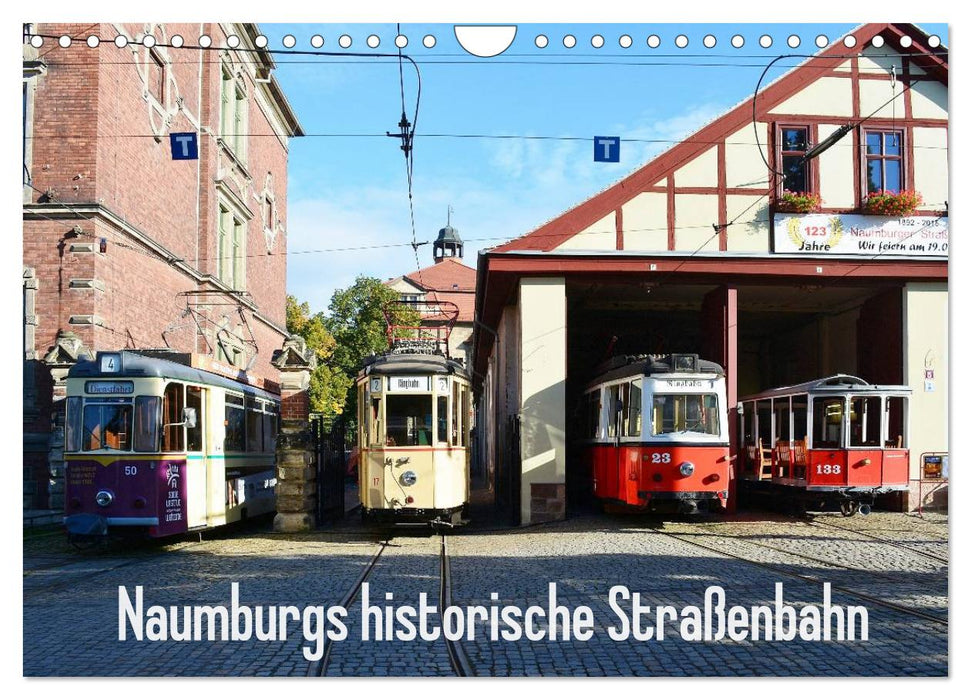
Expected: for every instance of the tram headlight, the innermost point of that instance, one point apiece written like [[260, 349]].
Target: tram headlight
[[104, 498], [686, 469], [409, 478]]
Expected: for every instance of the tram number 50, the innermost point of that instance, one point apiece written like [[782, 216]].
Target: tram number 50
[[131, 471], [661, 458], [829, 468]]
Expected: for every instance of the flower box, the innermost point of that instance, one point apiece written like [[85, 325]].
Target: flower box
[[798, 202], [892, 203]]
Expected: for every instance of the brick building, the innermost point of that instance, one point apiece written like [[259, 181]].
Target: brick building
[[124, 247], [448, 280]]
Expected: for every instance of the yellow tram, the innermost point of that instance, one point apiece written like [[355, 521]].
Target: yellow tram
[[414, 415]]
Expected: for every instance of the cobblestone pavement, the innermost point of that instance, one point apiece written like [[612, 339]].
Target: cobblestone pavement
[[71, 599]]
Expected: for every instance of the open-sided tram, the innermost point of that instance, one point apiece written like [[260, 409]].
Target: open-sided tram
[[833, 442]]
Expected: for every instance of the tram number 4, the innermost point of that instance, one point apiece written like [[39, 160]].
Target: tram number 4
[[829, 468], [661, 458], [131, 471]]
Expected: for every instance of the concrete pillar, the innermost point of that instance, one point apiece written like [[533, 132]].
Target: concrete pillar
[[68, 350], [719, 312], [296, 477], [542, 324], [927, 372]]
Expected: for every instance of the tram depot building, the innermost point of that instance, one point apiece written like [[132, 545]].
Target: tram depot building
[[125, 247], [699, 252]]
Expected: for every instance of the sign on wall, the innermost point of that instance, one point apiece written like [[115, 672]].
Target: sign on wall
[[856, 234], [185, 146]]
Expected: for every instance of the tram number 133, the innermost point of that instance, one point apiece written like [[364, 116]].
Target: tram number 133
[[829, 468]]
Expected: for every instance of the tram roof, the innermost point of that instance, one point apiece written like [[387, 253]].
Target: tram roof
[[412, 363], [635, 365], [134, 364], [837, 383]]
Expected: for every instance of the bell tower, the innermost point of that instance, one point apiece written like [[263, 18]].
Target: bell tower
[[449, 243]]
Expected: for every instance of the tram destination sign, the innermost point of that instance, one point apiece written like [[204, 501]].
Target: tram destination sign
[[405, 384], [859, 235]]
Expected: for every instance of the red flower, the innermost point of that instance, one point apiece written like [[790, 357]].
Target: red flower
[[882, 203]]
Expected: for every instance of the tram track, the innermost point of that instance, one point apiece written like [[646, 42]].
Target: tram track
[[876, 538], [459, 661], [913, 612]]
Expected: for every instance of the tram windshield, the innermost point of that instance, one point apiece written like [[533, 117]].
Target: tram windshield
[[409, 419], [828, 421], [106, 426], [685, 413]]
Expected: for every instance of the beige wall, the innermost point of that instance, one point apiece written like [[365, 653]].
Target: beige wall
[[694, 216], [744, 166], [601, 236], [826, 96], [925, 348], [646, 222], [542, 305], [836, 170], [930, 165]]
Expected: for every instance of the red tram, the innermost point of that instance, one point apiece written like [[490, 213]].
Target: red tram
[[676, 460], [833, 442]]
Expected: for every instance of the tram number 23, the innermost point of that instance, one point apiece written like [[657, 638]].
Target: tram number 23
[[661, 458], [829, 468]]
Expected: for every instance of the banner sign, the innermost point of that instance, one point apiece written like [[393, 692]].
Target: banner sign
[[856, 234]]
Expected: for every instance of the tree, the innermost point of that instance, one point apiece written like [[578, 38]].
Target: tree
[[357, 323], [327, 391]]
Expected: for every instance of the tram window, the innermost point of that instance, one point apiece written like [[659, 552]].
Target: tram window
[[763, 410], [780, 407], [632, 409], [592, 416], [374, 422], [828, 422], [409, 420], [254, 425], [748, 420], [800, 417], [173, 432], [679, 413], [613, 400], [269, 427], [865, 421], [146, 423], [72, 424], [107, 426], [466, 419], [456, 415], [442, 419], [193, 399], [896, 421], [235, 424]]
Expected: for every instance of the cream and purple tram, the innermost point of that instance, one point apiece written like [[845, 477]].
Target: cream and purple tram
[[155, 447], [833, 442], [414, 412]]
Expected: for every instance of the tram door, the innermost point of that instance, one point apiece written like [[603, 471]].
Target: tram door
[[197, 461]]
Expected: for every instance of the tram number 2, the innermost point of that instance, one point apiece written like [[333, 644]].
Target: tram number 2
[[829, 468], [661, 458], [131, 470]]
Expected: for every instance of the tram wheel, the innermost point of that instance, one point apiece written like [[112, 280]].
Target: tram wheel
[[849, 508]]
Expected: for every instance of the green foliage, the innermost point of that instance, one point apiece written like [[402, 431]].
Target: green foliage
[[312, 328], [356, 321], [354, 329]]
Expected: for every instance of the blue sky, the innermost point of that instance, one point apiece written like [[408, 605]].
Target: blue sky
[[351, 191]]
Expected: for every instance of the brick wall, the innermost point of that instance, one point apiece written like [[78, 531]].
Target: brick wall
[[101, 148]]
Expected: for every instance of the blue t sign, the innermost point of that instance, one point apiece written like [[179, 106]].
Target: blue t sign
[[606, 149], [185, 146]]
